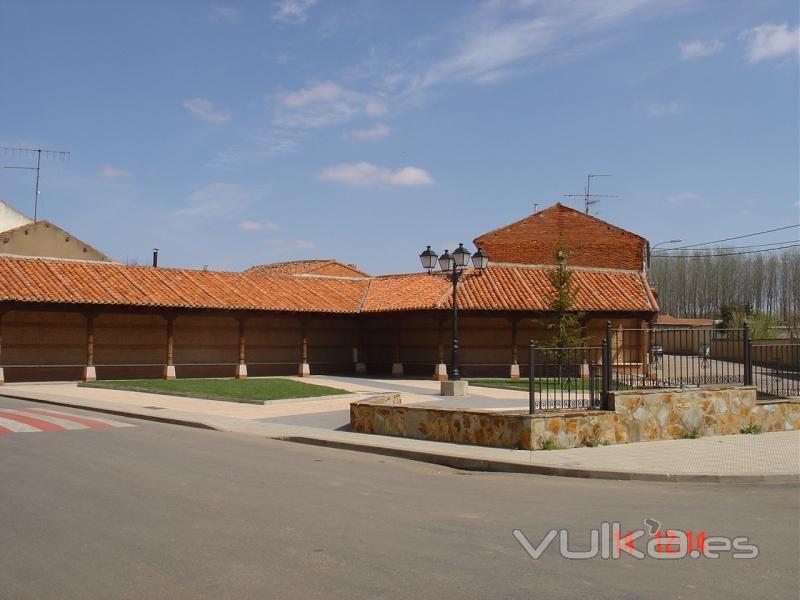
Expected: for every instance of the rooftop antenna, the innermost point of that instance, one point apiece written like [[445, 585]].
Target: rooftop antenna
[[588, 198], [59, 154]]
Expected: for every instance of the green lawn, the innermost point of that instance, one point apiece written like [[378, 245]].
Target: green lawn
[[235, 390], [541, 384]]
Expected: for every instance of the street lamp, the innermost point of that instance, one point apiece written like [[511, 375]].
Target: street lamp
[[651, 248], [454, 265]]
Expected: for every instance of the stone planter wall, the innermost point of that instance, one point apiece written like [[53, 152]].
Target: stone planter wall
[[640, 415]]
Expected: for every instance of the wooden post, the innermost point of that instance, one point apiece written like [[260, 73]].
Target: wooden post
[[360, 355], [304, 370], [89, 372], [397, 365], [2, 377], [241, 367], [440, 370], [514, 356], [169, 369]]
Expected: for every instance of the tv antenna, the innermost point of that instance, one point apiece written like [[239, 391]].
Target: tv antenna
[[59, 154], [588, 198]]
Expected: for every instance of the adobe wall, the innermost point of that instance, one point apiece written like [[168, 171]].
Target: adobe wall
[[134, 345], [45, 239]]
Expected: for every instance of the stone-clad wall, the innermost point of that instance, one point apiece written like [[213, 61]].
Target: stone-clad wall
[[641, 415]]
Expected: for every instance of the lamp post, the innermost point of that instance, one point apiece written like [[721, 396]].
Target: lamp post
[[454, 266], [651, 248]]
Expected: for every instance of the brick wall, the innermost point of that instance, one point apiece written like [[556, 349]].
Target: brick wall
[[589, 242]]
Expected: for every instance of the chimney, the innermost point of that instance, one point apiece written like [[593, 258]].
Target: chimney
[[155, 258]]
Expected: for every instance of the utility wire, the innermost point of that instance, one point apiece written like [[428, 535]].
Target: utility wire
[[738, 237], [724, 253], [726, 248]]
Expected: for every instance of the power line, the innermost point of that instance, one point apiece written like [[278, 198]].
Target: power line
[[738, 237], [665, 250], [724, 253]]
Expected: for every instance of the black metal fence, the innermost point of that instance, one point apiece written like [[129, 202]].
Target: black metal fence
[[565, 378], [574, 378]]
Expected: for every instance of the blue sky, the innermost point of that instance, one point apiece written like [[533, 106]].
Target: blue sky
[[233, 134]]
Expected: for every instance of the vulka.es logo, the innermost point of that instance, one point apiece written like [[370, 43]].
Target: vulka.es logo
[[609, 542]]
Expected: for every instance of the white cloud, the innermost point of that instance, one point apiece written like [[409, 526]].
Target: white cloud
[[377, 132], [660, 109], [205, 110], [257, 226], [365, 174], [220, 199], [324, 104], [259, 148], [112, 172], [224, 13], [699, 49], [685, 197], [289, 244], [771, 41], [503, 38], [292, 11]]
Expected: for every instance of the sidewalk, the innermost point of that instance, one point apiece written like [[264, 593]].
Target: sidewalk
[[769, 457]]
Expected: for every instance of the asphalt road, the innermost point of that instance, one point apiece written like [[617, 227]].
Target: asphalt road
[[162, 511]]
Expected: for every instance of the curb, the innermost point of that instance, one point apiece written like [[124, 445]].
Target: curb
[[475, 464]]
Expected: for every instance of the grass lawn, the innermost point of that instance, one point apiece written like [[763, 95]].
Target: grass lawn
[[235, 390], [541, 384]]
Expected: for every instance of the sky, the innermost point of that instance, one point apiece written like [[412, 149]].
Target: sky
[[232, 134]]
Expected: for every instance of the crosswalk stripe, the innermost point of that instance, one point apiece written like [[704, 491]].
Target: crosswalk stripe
[[40, 424], [93, 422], [12, 426], [59, 420]]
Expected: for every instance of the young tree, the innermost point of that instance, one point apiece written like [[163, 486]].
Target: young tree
[[566, 320]]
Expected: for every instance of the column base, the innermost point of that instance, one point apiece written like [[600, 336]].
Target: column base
[[440, 372], [241, 371], [361, 368], [89, 374], [397, 369], [454, 388], [304, 370], [2, 378], [169, 372], [514, 372]]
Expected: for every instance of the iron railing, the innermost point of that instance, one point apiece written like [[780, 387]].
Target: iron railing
[[584, 377]]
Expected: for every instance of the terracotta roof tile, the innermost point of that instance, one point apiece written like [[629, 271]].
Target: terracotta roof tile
[[497, 288], [308, 267]]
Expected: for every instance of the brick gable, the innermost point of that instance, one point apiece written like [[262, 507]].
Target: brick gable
[[589, 241]]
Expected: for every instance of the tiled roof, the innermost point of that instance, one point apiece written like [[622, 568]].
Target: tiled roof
[[588, 241], [308, 267], [78, 282], [511, 288], [498, 288]]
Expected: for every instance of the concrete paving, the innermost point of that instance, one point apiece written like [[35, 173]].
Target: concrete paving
[[157, 511], [773, 457]]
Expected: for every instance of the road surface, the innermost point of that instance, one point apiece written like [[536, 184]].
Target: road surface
[[162, 511]]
